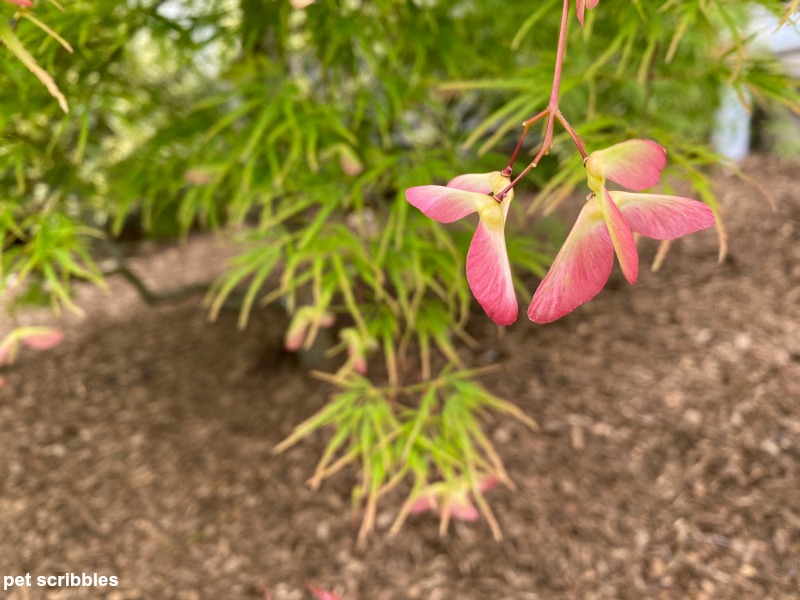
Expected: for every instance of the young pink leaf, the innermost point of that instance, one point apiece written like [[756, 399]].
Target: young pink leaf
[[359, 363], [579, 271], [321, 594], [488, 270], [41, 338], [621, 236], [474, 182], [23, 3], [634, 164], [663, 217], [462, 508], [444, 204], [488, 483], [356, 349], [296, 333], [326, 320], [424, 502]]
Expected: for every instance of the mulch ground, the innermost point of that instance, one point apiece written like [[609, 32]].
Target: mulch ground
[[668, 464]]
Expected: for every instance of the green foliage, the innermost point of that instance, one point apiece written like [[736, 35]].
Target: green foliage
[[299, 130], [438, 437]]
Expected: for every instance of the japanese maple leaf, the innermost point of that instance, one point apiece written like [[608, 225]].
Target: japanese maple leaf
[[606, 224], [488, 269], [582, 5]]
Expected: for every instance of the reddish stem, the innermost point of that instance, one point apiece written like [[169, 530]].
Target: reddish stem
[[510, 167], [552, 112], [526, 125], [573, 134], [553, 104]]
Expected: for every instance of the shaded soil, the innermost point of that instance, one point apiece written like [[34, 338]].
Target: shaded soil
[[667, 465]]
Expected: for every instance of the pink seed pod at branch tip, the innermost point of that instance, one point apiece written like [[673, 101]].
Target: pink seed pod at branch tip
[[462, 508], [36, 338], [424, 502], [295, 335], [488, 270], [606, 225]]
